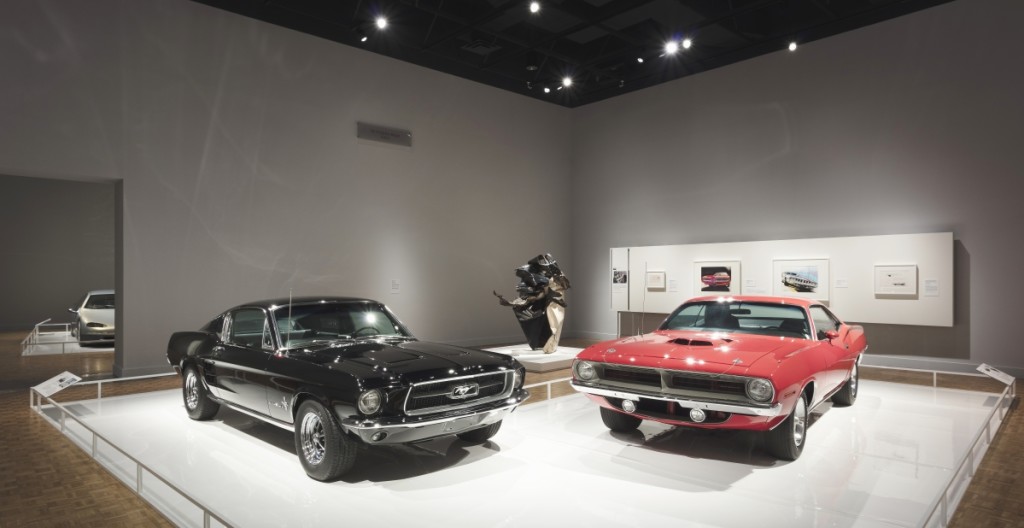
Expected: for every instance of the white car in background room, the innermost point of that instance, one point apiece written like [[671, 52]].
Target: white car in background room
[[94, 317]]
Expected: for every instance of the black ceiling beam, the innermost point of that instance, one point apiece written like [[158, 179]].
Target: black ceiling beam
[[464, 26]]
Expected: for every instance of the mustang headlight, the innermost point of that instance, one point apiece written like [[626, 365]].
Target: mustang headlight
[[584, 370], [370, 401], [760, 390]]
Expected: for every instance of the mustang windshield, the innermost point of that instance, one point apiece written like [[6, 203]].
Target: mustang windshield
[[739, 316], [318, 322]]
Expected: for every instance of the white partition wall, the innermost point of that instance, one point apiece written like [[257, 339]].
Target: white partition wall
[[848, 278]]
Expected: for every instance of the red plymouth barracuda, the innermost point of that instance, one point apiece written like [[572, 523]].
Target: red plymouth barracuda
[[742, 362], [720, 278]]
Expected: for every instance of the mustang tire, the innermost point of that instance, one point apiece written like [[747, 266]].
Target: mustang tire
[[787, 440], [197, 398], [619, 422], [481, 435], [324, 450], [848, 394]]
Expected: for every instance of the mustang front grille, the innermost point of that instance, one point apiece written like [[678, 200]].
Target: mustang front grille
[[457, 393]]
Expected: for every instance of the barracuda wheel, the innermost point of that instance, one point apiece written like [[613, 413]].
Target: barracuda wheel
[[481, 435], [786, 441], [324, 450], [197, 398], [619, 422], [848, 394]]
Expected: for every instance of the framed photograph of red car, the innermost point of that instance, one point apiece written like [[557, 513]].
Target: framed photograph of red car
[[717, 277], [744, 362]]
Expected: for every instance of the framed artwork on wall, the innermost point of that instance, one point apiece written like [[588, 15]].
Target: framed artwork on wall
[[807, 279], [896, 280], [655, 280], [711, 277]]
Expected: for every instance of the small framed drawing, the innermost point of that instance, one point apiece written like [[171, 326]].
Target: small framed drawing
[[620, 280], [656, 280], [896, 280], [807, 279], [717, 277]]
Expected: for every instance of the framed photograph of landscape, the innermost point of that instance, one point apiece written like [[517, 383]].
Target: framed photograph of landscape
[[720, 276], [807, 279]]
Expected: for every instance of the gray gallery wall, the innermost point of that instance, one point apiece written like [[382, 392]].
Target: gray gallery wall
[[242, 177], [912, 125], [57, 242]]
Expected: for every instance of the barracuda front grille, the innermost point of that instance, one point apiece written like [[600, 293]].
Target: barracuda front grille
[[457, 393], [640, 377], [709, 385]]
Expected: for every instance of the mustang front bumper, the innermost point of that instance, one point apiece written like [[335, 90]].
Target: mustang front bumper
[[403, 430], [733, 408]]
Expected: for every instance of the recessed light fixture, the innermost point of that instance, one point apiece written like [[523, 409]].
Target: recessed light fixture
[[381, 22], [792, 46], [687, 43], [640, 60], [671, 47], [566, 81], [534, 7], [547, 89]]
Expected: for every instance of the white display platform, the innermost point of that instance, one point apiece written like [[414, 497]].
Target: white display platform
[[537, 360], [881, 463], [63, 343]]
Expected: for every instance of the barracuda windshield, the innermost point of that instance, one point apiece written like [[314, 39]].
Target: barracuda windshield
[[304, 324], [740, 316]]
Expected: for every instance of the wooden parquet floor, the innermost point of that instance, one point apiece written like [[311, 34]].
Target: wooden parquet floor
[[46, 481]]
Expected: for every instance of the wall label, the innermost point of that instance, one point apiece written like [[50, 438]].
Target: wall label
[[383, 134]]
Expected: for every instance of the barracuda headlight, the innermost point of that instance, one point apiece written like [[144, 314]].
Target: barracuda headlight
[[370, 401], [584, 371], [760, 390]]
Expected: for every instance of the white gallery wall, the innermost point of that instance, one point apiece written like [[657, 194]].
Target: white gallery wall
[[242, 177], [56, 243], [908, 126]]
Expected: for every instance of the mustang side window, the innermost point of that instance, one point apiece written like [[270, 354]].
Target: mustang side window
[[247, 328]]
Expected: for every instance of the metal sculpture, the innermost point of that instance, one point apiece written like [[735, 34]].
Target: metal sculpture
[[540, 306]]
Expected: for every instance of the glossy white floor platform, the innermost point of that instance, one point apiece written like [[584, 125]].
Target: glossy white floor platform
[[882, 463], [537, 360]]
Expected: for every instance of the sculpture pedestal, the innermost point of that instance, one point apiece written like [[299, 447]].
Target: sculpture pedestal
[[537, 360]]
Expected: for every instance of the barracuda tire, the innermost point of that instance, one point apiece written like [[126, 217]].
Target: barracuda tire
[[786, 441], [619, 422], [848, 394], [324, 450], [198, 404], [481, 435]]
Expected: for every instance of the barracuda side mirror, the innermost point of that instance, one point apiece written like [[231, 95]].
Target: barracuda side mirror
[[831, 334]]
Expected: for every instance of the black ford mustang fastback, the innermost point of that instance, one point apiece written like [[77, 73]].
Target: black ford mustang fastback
[[339, 371]]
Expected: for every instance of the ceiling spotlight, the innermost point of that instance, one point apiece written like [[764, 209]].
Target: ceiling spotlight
[[381, 22], [640, 60], [547, 89], [529, 85], [671, 47], [534, 7], [621, 83], [363, 38], [687, 43], [792, 46], [566, 81], [532, 61]]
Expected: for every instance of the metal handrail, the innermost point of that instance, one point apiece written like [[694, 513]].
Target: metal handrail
[[35, 402], [32, 339], [941, 505], [548, 383]]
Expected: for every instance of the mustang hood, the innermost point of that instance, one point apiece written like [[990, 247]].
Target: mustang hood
[[413, 360], [699, 351]]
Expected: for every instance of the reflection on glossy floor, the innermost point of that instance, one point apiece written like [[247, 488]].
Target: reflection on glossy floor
[[882, 462]]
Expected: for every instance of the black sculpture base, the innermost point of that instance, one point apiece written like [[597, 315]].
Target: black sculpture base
[[537, 332]]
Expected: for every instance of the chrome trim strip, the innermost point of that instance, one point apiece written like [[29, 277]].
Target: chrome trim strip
[[774, 410], [505, 393], [258, 416]]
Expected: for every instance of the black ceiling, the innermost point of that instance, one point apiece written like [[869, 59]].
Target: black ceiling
[[595, 42]]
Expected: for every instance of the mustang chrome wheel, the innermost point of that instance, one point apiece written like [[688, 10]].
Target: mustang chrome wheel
[[312, 434], [191, 390], [799, 422]]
